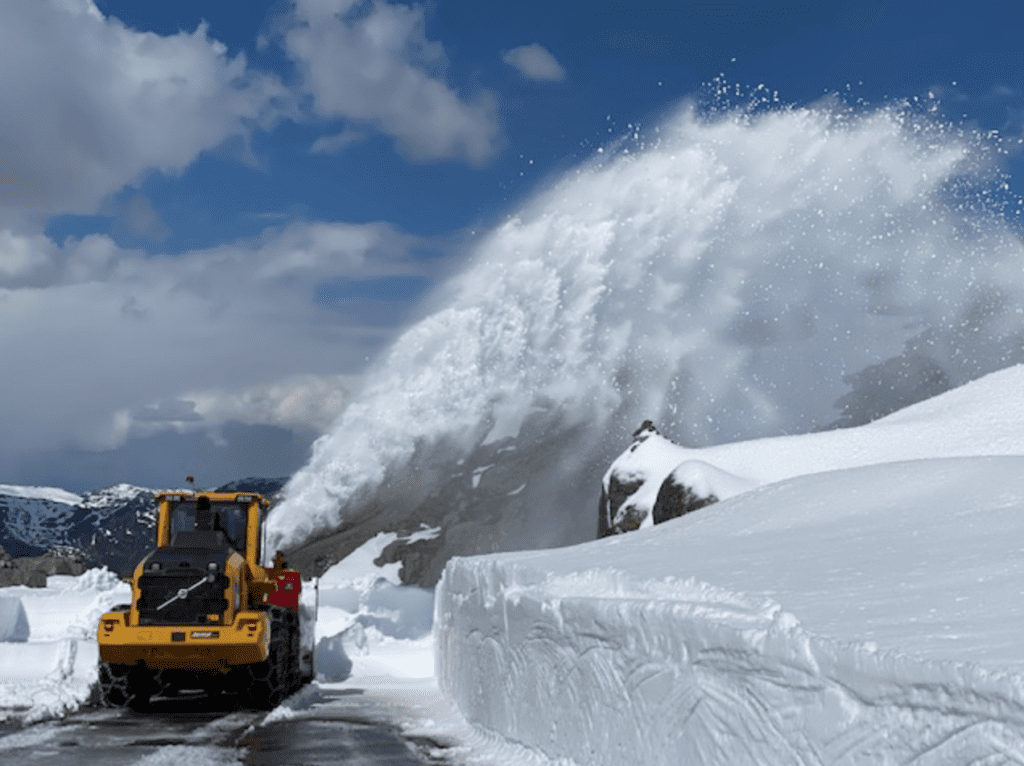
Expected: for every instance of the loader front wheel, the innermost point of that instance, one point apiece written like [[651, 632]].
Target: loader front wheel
[[125, 686], [266, 683]]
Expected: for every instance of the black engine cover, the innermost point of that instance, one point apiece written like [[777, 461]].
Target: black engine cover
[[179, 588]]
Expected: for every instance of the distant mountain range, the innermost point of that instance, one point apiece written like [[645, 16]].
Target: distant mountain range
[[111, 526]]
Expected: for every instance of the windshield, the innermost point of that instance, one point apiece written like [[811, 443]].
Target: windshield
[[230, 518]]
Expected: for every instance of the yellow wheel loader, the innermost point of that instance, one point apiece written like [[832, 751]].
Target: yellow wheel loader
[[205, 614]]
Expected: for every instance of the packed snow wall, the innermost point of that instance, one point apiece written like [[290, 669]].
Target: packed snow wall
[[700, 676], [865, 616], [728, 274]]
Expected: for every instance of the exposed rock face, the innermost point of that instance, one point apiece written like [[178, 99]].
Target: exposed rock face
[[658, 479], [615, 516], [881, 389], [675, 499], [53, 563], [33, 570], [500, 495], [27, 577], [615, 513]]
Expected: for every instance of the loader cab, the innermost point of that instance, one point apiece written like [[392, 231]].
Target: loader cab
[[188, 519]]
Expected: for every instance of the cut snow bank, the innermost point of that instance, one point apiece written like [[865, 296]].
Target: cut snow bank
[[368, 624], [870, 615], [52, 668], [13, 621]]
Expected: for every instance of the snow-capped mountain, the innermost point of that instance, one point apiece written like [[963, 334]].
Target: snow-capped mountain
[[111, 526]]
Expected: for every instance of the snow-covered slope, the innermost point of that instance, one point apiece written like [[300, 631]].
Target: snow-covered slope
[[984, 417], [871, 615], [859, 599], [102, 524]]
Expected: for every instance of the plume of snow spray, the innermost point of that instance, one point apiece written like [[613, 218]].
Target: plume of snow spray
[[732, 275]]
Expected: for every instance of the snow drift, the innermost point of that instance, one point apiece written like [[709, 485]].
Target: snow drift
[[49, 655], [729, 276], [983, 417], [870, 615]]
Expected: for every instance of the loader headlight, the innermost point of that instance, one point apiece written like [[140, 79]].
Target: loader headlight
[[154, 566], [212, 566]]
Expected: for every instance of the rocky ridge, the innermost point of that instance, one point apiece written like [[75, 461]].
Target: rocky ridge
[[512, 493], [47, 530]]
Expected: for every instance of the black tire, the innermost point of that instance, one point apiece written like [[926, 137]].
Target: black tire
[[267, 683], [125, 686], [294, 651]]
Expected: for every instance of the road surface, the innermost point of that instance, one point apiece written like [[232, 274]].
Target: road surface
[[331, 727]]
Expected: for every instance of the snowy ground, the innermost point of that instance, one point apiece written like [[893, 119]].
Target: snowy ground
[[48, 656], [867, 612], [870, 614]]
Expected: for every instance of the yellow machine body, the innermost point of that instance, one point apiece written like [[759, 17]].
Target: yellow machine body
[[235, 635]]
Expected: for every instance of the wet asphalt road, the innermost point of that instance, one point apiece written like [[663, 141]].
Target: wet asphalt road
[[324, 732]]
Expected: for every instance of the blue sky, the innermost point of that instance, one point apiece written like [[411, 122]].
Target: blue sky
[[215, 214]]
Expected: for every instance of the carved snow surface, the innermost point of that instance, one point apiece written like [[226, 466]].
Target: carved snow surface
[[862, 616]]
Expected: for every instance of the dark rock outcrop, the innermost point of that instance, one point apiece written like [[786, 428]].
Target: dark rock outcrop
[[507, 495], [686, 488], [33, 570], [28, 577], [615, 514], [676, 499], [613, 518]]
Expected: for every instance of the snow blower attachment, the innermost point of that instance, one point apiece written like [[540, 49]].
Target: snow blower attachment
[[204, 613]]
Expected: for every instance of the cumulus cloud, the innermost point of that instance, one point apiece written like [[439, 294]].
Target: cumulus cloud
[[371, 64], [337, 142], [91, 105], [298, 401], [136, 218], [534, 62], [102, 343]]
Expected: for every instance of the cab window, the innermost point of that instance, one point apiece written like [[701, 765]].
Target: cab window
[[230, 518]]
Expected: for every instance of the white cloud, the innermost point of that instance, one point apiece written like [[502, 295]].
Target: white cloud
[[136, 218], [90, 105], [303, 401], [335, 143], [535, 63], [101, 343], [377, 68]]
